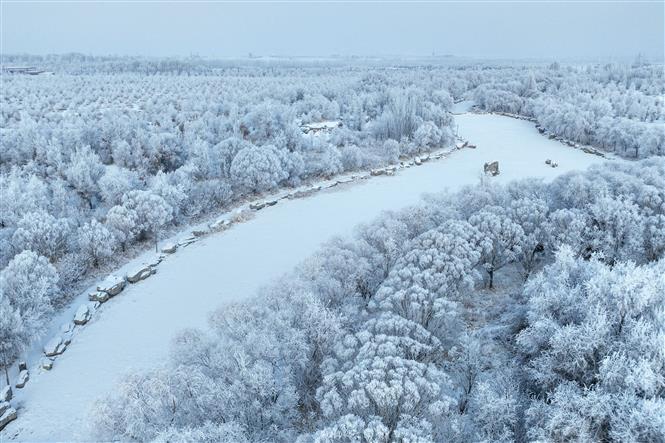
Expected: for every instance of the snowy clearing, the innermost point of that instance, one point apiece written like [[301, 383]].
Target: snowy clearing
[[133, 330]]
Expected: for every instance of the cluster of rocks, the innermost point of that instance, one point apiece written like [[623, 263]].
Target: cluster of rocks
[[110, 287], [552, 163], [7, 413], [515, 116], [464, 144], [388, 170], [571, 143], [258, 205]]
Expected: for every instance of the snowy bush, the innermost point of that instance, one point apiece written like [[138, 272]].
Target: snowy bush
[[257, 169]]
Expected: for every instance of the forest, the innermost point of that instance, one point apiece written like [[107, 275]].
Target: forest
[[456, 323], [395, 335]]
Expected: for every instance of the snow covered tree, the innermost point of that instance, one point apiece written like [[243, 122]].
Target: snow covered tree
[[257, 169], [594, 350], [429, 136], [41, 232], [13, 335], [531, 215], [121, 222], [83, 173], [502, 239], [381, 384], [615, 230], [28, 285], [494, 407], [654, 237], [566, 227], [149, 212], [115, 183], [95, 242], [425, 283]]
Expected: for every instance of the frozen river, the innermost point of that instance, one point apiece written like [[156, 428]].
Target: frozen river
[[133, 330]]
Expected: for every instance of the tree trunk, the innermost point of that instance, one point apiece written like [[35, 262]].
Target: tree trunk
[[491, 274], [6, 373]]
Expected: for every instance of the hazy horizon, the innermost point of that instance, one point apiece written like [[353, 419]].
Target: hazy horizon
[[492, 30]]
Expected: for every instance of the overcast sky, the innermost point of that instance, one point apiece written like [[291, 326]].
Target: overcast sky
[[215, 29]]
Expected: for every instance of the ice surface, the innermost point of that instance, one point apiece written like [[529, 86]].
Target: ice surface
[[133, 329]]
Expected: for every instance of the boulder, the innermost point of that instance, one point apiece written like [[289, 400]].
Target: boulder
[[169, 248], [417, 161], [4, 405], [375, 172], [55, 346], [271, 202], [199, 232], [22, 379], [470, 146], [548, 162], [6, 393], [46, 363], [67, 327], [98, 296], [8, 416], [140, 273], [156, 260], [554, 164], [82, 315], [113, 285], [300, 193], [220, 225], [22, 366], [491, 168], [67, 337], [257, 206], [186, 241]]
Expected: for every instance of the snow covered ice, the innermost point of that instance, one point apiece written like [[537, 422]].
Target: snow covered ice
[[134, 329]]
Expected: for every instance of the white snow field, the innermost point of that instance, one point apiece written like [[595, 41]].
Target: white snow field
[[134, 329]]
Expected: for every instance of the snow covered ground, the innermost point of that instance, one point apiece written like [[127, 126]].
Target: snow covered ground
[[133, 330]]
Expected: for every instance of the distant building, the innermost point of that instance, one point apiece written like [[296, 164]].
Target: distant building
[[29, 70], [324, 126]]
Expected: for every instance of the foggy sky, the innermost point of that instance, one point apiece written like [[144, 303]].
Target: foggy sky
[[478, 29]]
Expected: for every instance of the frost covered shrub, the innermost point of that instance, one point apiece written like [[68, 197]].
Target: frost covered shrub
[[95, 242], [351, 157], [41, 232], [257, 169], [594, 349], [390, 335], [28, 286]]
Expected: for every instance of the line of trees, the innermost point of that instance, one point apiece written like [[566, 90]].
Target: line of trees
[[616, 108], [94, 164], [394, 335]]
